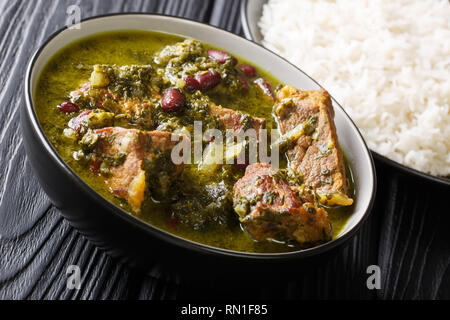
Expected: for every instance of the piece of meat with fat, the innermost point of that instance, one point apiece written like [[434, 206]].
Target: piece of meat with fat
[[139, 112], [270, 209], [108, 89], [315, 152], [130, 178], [236, 121], [238, 124]]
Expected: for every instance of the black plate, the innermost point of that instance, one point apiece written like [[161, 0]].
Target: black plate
[[250, 9]]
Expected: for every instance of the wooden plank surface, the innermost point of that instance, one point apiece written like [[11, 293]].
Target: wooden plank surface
[[406, 235]]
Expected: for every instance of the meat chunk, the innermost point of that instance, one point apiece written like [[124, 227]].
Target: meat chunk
[[161, 168], [136, 111], [234, 120], [91, 119], [306, 118], [121, 153], [238, 124], [134, 162], [270, 209], [125, 90]]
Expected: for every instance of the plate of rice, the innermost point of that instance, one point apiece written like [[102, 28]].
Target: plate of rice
[[387, 62]]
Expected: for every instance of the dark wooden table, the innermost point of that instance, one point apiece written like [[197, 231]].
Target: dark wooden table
[[407, 235]]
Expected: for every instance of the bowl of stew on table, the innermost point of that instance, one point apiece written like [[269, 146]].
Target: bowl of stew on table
[[169, 142]]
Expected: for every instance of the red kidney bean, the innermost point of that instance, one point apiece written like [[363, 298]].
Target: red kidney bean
[[221, 56], [191, 85], [68, 107], [75, 123], [249, 70], [172, 100], [208, 80], [265, 87]]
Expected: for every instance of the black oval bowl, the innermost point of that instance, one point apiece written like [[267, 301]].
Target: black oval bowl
[[251, 11], [139, 244]]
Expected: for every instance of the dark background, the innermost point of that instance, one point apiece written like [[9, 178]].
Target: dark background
[[407, 234]]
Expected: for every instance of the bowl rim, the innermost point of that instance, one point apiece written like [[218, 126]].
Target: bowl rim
[[378, 156], [155, 231]]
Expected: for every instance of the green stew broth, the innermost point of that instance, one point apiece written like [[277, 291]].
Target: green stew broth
[[204, 217]]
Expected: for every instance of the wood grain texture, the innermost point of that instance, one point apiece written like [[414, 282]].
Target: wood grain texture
[[415, 240], [406, 235]]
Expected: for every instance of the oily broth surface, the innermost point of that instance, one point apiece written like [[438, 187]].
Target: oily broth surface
[[72, 66]]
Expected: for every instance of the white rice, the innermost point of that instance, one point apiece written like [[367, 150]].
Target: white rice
[[387, 62]]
